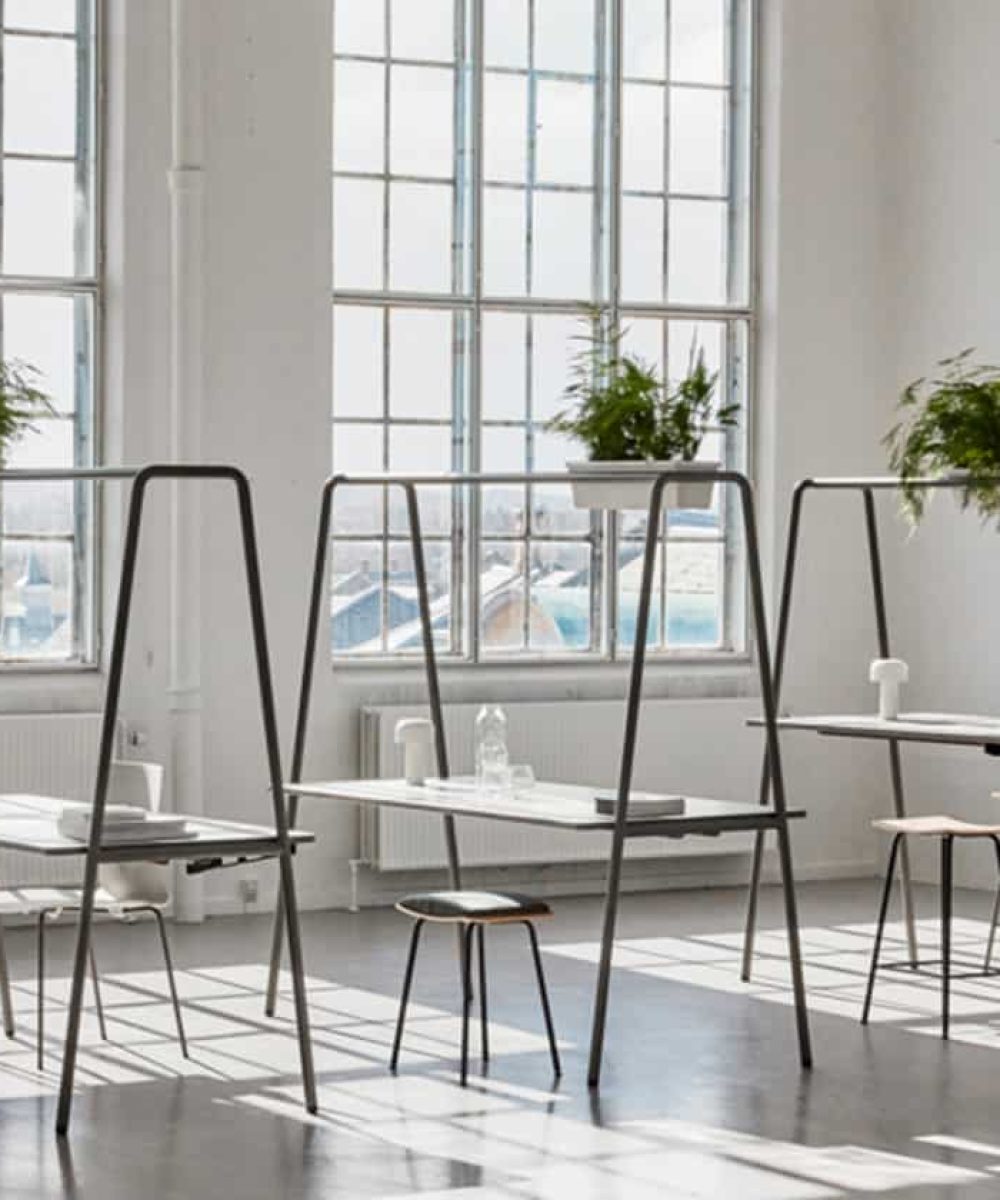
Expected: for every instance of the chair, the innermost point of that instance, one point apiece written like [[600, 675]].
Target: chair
[[947, 829], [125, 891], [471, 911]]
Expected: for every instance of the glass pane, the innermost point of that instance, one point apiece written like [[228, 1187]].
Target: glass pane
[[630, 563], [421, 121], [38, 508], [357, 450], [43, 331], [561, 250], [404, 634], [420, 363], [555, 341], [501, 591], [644, 49], [504, 350], [39, 217], [552, 509], [504, 237], [642, 248], [687, 337], [643, 136], [424, 449], [357, 362], [564, 35], [644, 339], [425, 30], [504, 448], [698, 41], [358, 117], [358, 27], [49, 444], [503, 508], [38, 600], [694, 594], [420, 237], [39, 95], [357, 233], [565, 133], [697, 251], [505, 33], [697, 141], [505, 127], [559, 614], [356, 599]]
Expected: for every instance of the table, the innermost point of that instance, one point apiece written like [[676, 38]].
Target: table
[[949, 729]]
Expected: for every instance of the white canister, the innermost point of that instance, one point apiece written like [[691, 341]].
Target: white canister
[[416, 736]]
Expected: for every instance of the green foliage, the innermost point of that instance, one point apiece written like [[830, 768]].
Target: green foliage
[[22, 402], [621, 409], [950, 424]]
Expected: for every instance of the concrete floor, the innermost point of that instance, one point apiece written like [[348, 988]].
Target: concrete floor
[[702, 1094]]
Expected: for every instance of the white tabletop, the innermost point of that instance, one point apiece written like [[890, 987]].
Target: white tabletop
[[29, 823], [955, 729], [559, 805]]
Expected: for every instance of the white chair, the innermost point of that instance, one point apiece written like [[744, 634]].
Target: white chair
[[125, 891]]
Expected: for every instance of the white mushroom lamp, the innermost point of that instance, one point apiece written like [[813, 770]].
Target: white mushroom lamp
[[888, 673], [416, 736]]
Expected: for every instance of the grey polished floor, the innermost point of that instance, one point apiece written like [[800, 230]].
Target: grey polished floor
[[702, 1094]]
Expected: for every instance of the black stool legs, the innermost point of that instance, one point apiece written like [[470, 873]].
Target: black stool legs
[[543, 993], [405, 997]]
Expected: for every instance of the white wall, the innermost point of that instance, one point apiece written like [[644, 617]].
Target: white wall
[[824, 379]]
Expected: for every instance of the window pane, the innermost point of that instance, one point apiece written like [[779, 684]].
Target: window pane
[[39, 95], [554, 342], [501, 592], [630, 562], [697, 251], [644, 339], [559, 614], [687, 338], [52, 334], [404, 633], [52, 16], [698, 41], [39, 211], [358, 117], [420, 237], [697, 141], [561, 251], [421, 135], [505, 33], [356, 601], [643, 137], [504, 448], [565, 133], [694, 594], [420, 363], [504, 350], [38, 508], [425, 30], [504, 240], [644, 50], [357, 361], [49, 444], [358, 450], [564, 35], [358, 27], [357, 233], [505, 127], [421, 449], [38, 600], [503, 509], [552, 509], [642, 249]]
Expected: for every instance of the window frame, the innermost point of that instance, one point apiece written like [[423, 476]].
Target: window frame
[[738, 320]]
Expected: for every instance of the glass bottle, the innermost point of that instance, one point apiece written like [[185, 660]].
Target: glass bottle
[[492, 757]]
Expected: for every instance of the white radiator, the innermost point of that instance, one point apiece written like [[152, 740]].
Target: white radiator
[[701, 747], [55, 755]]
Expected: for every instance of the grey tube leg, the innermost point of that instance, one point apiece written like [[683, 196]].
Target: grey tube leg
[[5, 999], [484, 1029], [947, 846], [544, 997], [40, 993], [95, 983], [278, 930], [466, 999], [168, 963], [794, 945], [996, 913], [880, 928], [905, 875], [404, 998], [750, 922]]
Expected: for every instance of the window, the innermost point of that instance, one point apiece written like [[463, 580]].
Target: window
[[481, 200], [49, 298]]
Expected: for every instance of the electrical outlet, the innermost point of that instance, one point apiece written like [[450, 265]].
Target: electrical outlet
[[248, 891], [136, 737]]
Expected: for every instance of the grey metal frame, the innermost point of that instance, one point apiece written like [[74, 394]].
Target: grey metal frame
[[867, 486], [280, 845], [773, 816]]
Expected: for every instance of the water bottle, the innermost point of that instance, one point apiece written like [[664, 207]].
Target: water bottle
[[492, 759]]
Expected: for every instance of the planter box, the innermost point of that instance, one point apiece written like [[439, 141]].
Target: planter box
[[593, 489]]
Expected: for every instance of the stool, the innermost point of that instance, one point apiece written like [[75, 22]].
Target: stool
[[947, 829], [471, 911]]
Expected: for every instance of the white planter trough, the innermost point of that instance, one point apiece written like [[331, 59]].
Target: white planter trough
[[592, 487]]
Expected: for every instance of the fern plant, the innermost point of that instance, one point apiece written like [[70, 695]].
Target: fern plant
[[622, 411], [950, 424], [22, 402]]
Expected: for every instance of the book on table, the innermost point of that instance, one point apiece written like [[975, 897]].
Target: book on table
[[640, 804], [122, 823]]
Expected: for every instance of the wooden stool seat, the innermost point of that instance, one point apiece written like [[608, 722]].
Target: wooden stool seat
[[937, 826], [490, 907]]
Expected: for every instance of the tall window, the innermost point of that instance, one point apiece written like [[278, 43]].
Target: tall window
[[48, 310], [499, 167]]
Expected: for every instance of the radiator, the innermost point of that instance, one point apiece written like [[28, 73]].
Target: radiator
[[699, 747], [55, 755]]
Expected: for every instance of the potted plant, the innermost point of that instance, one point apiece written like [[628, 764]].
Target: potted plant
[[628, 419], [950, 425]]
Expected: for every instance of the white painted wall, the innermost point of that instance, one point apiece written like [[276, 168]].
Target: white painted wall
[[824, 376]]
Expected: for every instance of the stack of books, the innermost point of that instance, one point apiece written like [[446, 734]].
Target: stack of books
[[640, 804], [123, 823]]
